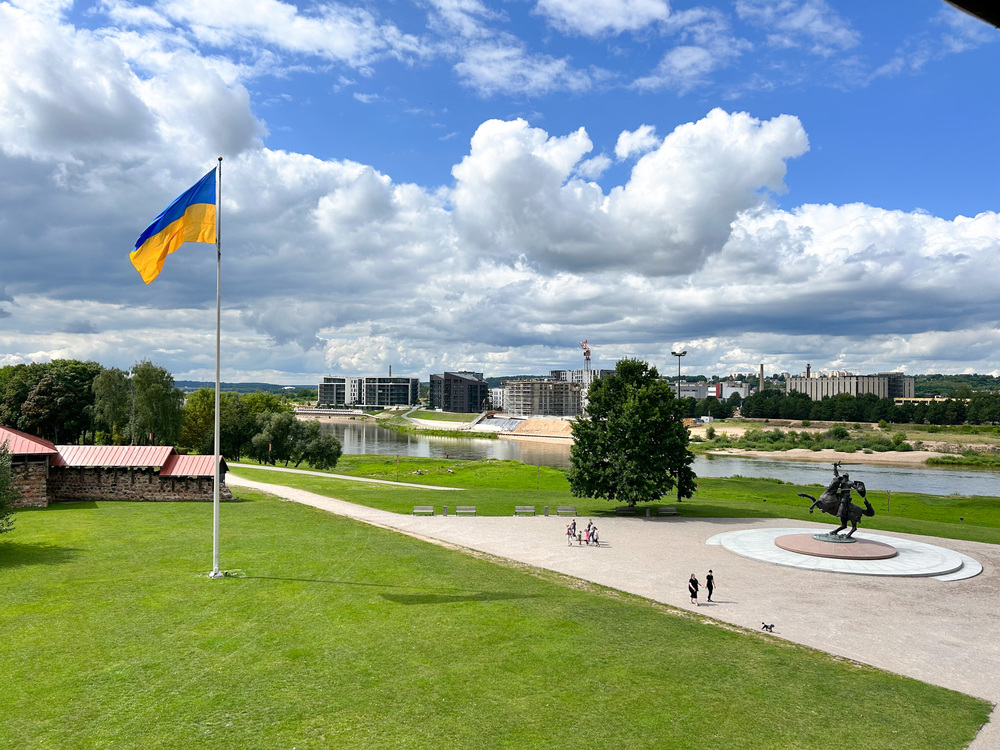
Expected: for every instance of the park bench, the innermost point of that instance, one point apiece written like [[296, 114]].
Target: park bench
[[566, 510], [465, 510], [423, 510], [666, 511], [524, 510], [624, 510]]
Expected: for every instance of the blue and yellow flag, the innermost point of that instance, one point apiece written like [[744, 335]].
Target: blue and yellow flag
[[190, 218]]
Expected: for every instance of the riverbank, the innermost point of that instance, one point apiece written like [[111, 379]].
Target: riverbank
[[897, 458]]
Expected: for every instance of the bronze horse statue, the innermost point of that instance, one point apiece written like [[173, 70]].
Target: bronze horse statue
[[836, 500]]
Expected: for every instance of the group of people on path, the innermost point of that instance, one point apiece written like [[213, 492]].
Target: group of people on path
[[693, 587], [587, 536]]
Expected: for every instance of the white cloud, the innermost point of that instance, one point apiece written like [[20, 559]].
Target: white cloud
[[599, 17], [637, 141], [507, 67], [333, 31], [811, 24], [706, 45]]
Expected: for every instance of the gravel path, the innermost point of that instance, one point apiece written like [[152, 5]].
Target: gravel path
[[943, 633]]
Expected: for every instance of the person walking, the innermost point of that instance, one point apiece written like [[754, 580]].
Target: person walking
[[693, 590], [710, 584], [569, 534]]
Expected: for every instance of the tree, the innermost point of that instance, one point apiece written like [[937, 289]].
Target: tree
[[8, 491], [276, 437], [632, 444], [158, 404], [236, 425], [312, 446], [113, 404]]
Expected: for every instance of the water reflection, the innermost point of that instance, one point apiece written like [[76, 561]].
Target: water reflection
[[367, 438]]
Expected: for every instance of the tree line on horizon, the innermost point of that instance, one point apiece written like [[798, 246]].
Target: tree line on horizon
[[966, 407], [74, 402]]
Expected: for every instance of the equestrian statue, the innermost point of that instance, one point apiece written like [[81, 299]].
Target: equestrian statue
[[836, 500]]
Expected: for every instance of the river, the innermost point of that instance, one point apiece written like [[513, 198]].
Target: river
[[367, 438]]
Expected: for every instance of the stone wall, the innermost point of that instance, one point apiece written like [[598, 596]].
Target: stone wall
[[129, 484], [29, 478]]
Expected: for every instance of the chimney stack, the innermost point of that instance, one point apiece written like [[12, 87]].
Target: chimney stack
[[761, 377], [808, 370]]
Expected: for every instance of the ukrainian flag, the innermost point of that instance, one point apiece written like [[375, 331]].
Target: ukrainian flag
[[190, 218]]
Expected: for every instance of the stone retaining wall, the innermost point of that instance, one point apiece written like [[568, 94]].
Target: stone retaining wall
[[29, 478], [128, 484]]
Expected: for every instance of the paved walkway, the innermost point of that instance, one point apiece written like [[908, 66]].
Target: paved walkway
[[943, 632]]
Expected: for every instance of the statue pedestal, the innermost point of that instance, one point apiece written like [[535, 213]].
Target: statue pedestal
[[834, 538], [815, 545]]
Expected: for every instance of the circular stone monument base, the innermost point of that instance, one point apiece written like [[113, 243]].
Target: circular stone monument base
[[861, 549]]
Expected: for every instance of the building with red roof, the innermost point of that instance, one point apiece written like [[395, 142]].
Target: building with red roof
[[45, 473]]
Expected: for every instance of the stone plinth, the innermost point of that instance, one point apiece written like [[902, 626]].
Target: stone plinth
[[860, 549]]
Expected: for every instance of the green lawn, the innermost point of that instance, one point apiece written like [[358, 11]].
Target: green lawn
[[337, 634], [443, 416], [496, 486]]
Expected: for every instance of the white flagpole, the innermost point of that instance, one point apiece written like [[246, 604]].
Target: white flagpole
[[216, 573]]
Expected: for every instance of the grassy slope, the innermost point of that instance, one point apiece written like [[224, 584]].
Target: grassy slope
[[337, 634]]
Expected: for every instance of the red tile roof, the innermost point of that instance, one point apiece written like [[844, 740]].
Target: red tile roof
[[117, 456], [162, 457], [21, 443], [191, 466]]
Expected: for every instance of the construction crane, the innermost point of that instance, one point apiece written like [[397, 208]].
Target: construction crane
[[586, 355]]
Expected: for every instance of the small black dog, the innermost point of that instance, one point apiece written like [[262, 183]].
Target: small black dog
[[768, 628]]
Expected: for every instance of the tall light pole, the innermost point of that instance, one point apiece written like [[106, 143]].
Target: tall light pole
[[679, 355]]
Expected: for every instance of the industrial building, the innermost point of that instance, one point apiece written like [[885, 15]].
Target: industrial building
[[884, 385], [462, 391], [376, 391]]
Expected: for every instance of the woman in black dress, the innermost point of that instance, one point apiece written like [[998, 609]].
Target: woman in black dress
[[693, 590]]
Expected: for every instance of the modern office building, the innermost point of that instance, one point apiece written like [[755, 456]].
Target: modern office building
[[550, 398], [461, 391], [369, 391], [883, 384]]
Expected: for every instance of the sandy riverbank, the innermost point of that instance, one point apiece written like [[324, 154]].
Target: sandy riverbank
[[909, 458]]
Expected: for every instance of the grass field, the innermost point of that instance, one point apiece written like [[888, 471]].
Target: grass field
[[336, 634], [496, 486], [442, 416]]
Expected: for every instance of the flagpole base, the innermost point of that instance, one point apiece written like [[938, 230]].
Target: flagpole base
[[216, 574]]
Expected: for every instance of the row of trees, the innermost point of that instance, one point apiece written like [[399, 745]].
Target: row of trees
[[69, 401], [261, 426], [980, 408]]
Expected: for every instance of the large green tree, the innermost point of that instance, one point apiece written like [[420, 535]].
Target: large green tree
[[8, 491], [114, 405], [631, 445], [236, 424], [159, 405]]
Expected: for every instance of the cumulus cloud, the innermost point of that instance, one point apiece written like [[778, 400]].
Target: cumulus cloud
[[637, 141], [514, 194]]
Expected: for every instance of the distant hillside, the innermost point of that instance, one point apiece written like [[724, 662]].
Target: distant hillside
[[193, 385]]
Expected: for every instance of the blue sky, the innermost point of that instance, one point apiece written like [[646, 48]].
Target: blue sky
[[458, 184]]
